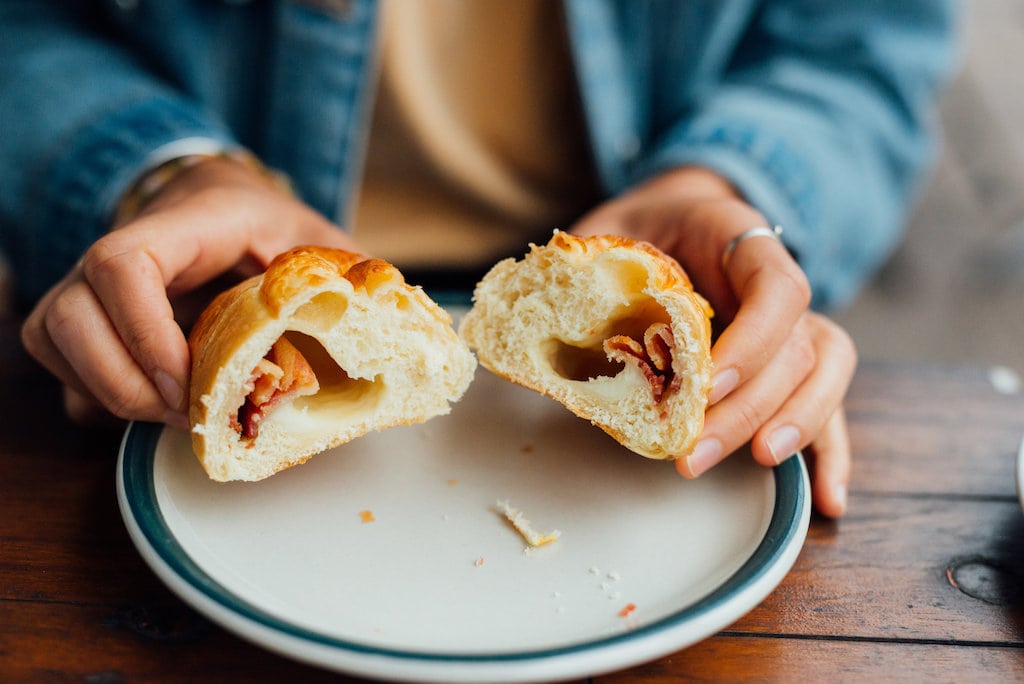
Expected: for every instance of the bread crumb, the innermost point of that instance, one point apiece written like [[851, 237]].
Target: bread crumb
[[479, 561], [367, 516], [614, 576], [594, 570], [524, 528]]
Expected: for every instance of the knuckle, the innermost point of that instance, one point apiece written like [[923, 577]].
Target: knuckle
[[62, 313], [767, 348], [142, 343], [814, 413], [804, 353], [799, 283], [747, 418], [104, 255], [125, 400], [758, 341]]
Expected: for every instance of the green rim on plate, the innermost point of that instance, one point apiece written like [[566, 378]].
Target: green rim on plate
[[136, 473]]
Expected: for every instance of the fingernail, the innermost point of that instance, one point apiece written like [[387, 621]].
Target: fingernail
[[169, 389], [176, 419], [722, 384], [783, 442], [706, 454]]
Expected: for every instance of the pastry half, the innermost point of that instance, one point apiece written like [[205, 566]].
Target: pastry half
[[323, 347], [608, 326]]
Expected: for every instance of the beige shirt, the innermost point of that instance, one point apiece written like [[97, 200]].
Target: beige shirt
[[477, 144]]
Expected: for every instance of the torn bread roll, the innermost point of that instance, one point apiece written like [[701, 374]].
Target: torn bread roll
[[323, 347], [608, 326]]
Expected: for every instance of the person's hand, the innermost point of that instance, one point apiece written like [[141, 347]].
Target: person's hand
[[108, 330], [780, 370]]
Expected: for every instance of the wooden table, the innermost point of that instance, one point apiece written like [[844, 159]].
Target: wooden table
[[922, 580]]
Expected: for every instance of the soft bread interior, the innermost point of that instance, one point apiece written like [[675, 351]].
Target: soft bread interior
[[586, 359], [339, 398], [545, 322], [382, 352]]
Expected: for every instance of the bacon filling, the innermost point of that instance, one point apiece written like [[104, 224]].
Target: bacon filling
[[653, 358], [283, 374]]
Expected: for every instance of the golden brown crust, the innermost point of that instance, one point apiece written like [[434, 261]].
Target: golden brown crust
[[669, 274], [303, 267], [218, 333], [559, 320], [388, 352]]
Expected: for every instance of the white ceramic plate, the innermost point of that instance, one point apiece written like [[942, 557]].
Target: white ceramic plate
[[438, 586]]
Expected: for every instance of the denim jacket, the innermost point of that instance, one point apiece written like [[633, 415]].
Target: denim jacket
[[819, 112]]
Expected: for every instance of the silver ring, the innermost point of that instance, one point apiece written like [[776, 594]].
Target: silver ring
[[775, 233]]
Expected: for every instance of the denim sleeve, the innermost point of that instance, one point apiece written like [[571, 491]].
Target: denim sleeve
[[824, 121], [80, 117]]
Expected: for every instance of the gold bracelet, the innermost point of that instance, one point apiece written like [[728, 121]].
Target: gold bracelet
[[147, 187]]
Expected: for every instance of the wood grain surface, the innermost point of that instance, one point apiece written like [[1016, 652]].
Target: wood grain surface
[[922, 580]]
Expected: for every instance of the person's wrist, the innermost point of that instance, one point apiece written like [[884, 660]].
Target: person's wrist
[[188, 173]]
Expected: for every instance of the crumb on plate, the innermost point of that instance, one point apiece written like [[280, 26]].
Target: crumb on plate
[[523, 526]]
